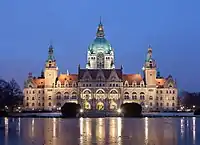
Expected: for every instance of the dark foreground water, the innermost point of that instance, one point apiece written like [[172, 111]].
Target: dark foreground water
[[100, 131]]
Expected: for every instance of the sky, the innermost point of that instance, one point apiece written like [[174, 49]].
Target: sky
[[172, 27]]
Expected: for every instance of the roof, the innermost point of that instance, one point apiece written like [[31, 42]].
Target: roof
[[132, 78], [67, 77], [94, 72], [39, 82], [160, 82]]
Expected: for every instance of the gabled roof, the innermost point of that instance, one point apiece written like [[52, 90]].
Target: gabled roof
[[93, 73]]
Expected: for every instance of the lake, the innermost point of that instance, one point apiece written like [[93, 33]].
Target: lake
[[100, 131]]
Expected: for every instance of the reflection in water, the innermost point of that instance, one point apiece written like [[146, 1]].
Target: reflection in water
[[194, 129], [101, 131], [182, 127], [146, 130]]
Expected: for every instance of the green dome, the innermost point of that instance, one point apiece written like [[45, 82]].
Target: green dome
[[100, 44]]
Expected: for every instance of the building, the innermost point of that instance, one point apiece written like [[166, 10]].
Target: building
[[100, 85]]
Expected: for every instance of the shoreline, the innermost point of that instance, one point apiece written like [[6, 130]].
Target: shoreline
[[59, 115]]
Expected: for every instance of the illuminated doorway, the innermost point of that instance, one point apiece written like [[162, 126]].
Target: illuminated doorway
[[100, 106]]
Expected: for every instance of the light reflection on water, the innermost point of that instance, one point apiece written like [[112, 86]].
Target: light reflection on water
[[100, 131]]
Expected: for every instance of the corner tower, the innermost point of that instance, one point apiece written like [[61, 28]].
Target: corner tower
[[51, 69], [150, 69], [100, 52]]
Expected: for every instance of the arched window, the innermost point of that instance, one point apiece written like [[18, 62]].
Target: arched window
[[74, 95], [142, 96], [134, 96], [58, 95]]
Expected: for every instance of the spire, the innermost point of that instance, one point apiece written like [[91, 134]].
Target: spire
[[149, 53], [100, 30], [42, 74], [50, 53], [149, 49], [67, 72]]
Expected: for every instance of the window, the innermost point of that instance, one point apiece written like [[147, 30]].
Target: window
[[173, 92], [157, 104], [160, 104], [58, 104], [172, 98], [39, 91], [156, 97], [150, 104], [49, 103], [39, 104], [126, 97], [150, 98], [27, 104], [33, 98], [42, 104], [167, 92], [173, 104], [83, 85], [33, 104], [49, 97], [167, 104], [161, 91], [160, 98], [27, 98]]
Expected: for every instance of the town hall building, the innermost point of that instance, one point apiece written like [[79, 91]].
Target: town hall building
[[100, 85]]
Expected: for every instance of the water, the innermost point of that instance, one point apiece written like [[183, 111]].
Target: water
[[100, 131]]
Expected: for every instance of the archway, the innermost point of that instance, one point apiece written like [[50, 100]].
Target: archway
[[87, 105], [100, 106]]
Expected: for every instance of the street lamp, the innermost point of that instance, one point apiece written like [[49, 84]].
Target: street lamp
[[81, 110]]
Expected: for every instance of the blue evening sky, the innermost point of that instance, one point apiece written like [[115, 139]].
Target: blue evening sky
[[172, 27]]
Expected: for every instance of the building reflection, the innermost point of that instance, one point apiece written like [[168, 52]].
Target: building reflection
[[101, 131], [146, 130], [115, 128], [85, 131], [194, 130]]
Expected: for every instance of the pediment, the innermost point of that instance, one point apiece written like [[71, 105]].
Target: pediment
[[87, 76], [100, 76], [113, 76]]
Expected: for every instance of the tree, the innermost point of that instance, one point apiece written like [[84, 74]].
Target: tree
[[10, 94]]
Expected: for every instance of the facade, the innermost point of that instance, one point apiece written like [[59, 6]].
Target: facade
[[100, 86]]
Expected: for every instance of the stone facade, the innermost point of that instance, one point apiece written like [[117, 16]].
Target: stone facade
[[100, 86]]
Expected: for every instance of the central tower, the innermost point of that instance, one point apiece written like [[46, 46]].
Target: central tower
[[100, 52]]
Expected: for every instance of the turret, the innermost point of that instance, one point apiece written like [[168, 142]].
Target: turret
[[150, 69], [51, 69]]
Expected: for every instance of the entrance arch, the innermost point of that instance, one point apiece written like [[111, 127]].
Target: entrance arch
[[100, 106]]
